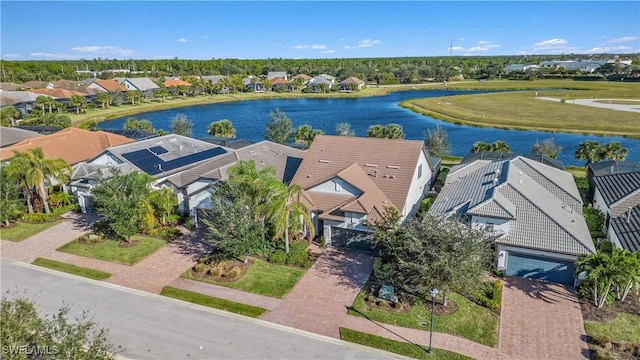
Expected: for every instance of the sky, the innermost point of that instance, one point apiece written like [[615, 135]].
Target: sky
[[55, 30]]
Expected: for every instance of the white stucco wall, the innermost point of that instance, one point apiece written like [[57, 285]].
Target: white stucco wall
[[613, 238], [600, 204], [500, 226], [419, 187], [336, 186]]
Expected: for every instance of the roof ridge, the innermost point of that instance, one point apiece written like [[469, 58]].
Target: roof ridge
[[521, 158]]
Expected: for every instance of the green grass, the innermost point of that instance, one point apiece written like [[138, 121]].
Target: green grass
[[521, 110], [261, 278], [20, 231], [411, 350], [109, 250], [470, 321], [72, 269], [222, 304], [624, 328]]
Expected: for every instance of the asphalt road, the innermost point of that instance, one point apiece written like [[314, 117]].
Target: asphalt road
[[150, 326]]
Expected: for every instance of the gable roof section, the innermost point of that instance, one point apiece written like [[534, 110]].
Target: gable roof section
[[538, 200], [213, 78], [72, 144], [615, 188], [627, 228], [110, 85], [142, 84], [279, 81], [608, 167], [390, 164], [352, 80], [58, 93], [176, 82], [10, 135], [17, 97]]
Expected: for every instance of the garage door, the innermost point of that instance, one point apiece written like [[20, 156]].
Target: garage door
[[350, 239], [540, 268]]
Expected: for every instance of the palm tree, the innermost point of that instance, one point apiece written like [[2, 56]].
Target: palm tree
[[588, 150], [78, 102], [500, 146], [104, 99], [613, 151], [344, 129], [223, 128], [161, 93], [35, 172], [305, 134], [164, 201], [480, 146], [44, 101], [288, 213], [8, 114], [376, 131], [394, 131]]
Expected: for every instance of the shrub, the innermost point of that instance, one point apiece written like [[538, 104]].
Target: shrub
[[298, 255], [173, 219], [278, 257], [490, 296], [165, 232], [601, 340], [233, 273], [214, 271], [39, 217], [199, 268], [188, 223]]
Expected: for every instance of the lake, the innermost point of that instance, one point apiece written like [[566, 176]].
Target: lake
[[250, 117]]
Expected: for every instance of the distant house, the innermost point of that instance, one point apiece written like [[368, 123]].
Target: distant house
[[74, 145], [274, 74], [280, 84], [21, 100], [109, 86], [62, 95], [533, 211], [587, 66], [618, 197], [304, 78], [319, 84], [213, 78], [143, 84], [195, 186], [9, 86], [12, 135], [253, 83], [349, 182], [159, 157], [331, 79], [351, 84], [608, 167], [176, 83], [35, 84]]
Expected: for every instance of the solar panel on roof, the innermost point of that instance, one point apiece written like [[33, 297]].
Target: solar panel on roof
[[159, 150], [148, 162]]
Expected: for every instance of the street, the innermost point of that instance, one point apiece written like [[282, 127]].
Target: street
[[149, 326]]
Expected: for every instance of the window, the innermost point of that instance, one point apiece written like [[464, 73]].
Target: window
[[489, 227], [420, 171]]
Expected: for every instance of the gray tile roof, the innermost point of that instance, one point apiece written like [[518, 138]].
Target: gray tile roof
[[12, 135], [213, 78], [142, 84], [608, 167], [627, 228], [616, 187], [541, 202], [20, 96]]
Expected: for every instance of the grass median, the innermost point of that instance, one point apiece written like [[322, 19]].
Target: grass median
[[205, 300], [407, 349], [72, 269], [111, 250], [21, 231]]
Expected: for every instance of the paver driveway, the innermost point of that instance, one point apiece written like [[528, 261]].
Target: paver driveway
[[319, 301], [540, 320]]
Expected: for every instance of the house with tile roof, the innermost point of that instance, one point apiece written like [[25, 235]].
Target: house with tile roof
[[304, 78], [21, 100], [109, 86], [275, 74], [194, 187], [533, 210], [317, 84], [351, 84], [74, 145], [175, 83], [617, 195], [146, 85], [280, 84], [159, 157], [349, 182]]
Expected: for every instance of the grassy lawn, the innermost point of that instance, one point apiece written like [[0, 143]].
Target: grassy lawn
[[213, 302], [110, 251], [625, 328], [21, 231], [470, 321], [261, 278], [402, 348], [72, 269], [521, 110]]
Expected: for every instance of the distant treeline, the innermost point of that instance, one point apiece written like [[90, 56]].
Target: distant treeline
[[403, 70]]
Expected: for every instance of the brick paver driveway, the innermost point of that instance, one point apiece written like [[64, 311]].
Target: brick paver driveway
[[319, 301], [540, 321]]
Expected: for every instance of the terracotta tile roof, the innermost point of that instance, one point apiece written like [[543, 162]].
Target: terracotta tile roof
[[72, 144], [352, 80], [57, 93], [176, 82], [383, 169], [34, 84], [110, 85], [279, 81]]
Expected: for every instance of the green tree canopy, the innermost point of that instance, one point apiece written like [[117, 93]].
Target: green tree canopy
[[181, 125], [135, 124], [279, 128], [496, 146], [222, 128], [390, 131], [305, 134]]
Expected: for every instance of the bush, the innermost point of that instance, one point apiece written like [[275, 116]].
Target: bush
[[233, 273], [601, 340], [490, 296], [173, 220], [298, 255], [199, 268], [165, 232], [278, 257]]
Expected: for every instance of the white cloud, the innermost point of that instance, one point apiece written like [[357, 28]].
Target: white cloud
[[106, 50], [458, 48], [11, 56], [52, 55], [329, 51], [312, 47], [623, 39], [366, 43], [551, 42], [183, 40], [205, 36], [483, 45], [483, 42], [348, 47], [553, 46], [608, 49]]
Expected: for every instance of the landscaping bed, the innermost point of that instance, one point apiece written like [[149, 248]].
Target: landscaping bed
[[111, 250], [459, 317], [256, 276], [613, 331]]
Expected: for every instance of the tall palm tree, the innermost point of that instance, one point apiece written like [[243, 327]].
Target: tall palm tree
[[44, 102], [500, 146], [305, 134], [223, 128], [104, 99], [376, 131], [480, 146], [35, 173], [78, 102], [394, 131], [161, 93], [613, 151], [288, 213], [588, 150]]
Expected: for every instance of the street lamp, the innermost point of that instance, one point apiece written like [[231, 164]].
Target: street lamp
[[434, 293]]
